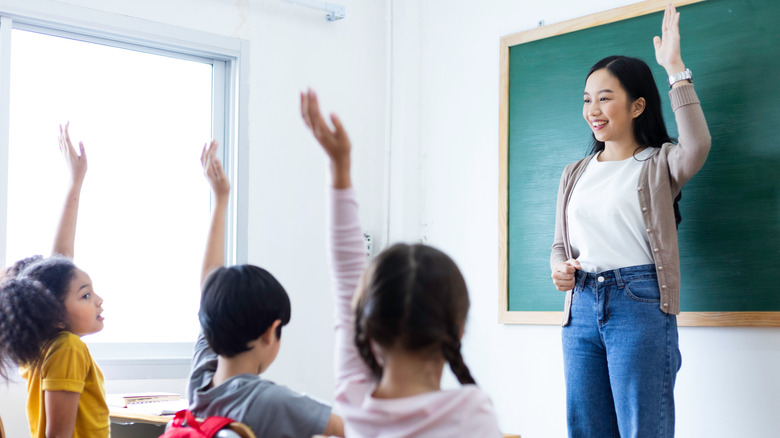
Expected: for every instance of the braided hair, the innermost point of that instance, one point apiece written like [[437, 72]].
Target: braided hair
[[415, 298]]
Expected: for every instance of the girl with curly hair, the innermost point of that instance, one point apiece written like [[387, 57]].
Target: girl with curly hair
[[46, 306]]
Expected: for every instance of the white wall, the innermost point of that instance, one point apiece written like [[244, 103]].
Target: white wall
[[726, 386], [290, 48], [443, 99]]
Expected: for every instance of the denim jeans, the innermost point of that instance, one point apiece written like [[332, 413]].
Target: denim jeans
[[621, 356]]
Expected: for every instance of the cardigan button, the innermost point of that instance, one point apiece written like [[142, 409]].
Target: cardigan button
[[663, 286], [649, 231], [655, 249], [644, 209], [660, 268], [639, 188], [666, 304]]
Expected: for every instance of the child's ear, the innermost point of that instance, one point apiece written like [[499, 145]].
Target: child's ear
[[270, 334]]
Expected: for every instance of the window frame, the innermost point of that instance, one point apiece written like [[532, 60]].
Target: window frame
[[229, 59]]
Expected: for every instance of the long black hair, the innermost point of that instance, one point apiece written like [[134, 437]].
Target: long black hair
[[32, 309], [415, 298], [636, 78]]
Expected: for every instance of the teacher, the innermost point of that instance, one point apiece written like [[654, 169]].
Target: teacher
[[615, 249]]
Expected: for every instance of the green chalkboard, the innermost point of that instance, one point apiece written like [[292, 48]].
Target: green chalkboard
[[730, 234]]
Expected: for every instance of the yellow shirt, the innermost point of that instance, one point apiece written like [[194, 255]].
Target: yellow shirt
[[68, 366]]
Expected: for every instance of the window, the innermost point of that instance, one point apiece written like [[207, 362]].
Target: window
[[143, 108]]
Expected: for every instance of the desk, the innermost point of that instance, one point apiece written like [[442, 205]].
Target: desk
[[129, 424]]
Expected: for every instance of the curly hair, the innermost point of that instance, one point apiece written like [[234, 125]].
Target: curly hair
[[30, 317], [32, 309], [415, 298], [14, 270]]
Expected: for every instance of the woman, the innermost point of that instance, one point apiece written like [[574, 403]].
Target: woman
[[615, 249]]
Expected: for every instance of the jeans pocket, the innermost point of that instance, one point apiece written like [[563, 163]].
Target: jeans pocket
[[643, 290]]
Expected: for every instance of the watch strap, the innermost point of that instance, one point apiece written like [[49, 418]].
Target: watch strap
[[681, 76]]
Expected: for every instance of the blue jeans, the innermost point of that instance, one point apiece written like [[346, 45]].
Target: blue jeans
[[620, 355]]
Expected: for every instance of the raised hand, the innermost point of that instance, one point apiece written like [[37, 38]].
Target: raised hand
[[335, 141], [77, 162], [214, 256], [667, 46], [65, 236], [212, 169]]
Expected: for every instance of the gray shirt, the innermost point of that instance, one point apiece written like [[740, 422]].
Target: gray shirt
[[270, 410]]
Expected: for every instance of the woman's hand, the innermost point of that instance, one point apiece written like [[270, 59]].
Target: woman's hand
[[563, 274], [335, 142], [667, 46], [212, 169], [77, 162]]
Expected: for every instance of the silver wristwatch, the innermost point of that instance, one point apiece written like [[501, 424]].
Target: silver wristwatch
[[683, 75]]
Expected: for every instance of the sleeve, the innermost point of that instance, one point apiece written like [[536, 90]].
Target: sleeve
[[66, 366], [348, 261], [203, 359], [477, 415], [694, 141], [558, 253], [293, 414]]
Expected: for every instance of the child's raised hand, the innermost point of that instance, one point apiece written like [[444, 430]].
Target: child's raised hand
[[335, 141], [212, 169], [667, 46], [77, 162]]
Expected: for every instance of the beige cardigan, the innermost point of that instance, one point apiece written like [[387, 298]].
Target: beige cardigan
[[662, 176]]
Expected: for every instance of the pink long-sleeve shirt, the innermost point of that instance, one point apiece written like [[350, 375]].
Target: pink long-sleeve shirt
[[466, 411]]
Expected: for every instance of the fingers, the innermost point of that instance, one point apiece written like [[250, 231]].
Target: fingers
[[203, 154], [82, 153], [305, 110], [315, 120], [340, 131]]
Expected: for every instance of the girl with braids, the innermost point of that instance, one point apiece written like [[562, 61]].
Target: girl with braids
[[615, 251], [409, 315], [46, 305]]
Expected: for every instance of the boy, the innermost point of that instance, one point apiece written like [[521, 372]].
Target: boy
[[242, 311]]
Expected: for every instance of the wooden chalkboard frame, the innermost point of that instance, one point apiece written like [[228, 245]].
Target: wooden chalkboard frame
[[712, 319]]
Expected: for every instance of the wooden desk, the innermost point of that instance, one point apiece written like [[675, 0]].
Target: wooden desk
[[126, 416], [128, 424]]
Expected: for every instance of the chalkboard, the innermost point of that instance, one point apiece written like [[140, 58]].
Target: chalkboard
[[730, 234]]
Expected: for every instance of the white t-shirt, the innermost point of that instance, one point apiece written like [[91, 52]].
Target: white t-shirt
[[606, 228]]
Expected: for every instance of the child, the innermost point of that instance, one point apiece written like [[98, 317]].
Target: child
[[242, 311], [46, 306], [408, 319]]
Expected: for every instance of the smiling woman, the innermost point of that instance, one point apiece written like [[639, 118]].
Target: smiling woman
[[615, 251]]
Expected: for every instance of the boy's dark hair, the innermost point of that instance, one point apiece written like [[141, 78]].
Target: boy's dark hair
[[32, 311], [414, 297], [649, 127], [238, 305]]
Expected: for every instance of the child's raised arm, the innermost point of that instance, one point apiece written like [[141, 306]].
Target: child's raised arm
[[348, 258], [215, 244], [77, 163], [335, 143]]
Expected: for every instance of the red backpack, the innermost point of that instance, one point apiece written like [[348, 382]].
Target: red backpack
[[194, 428]]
